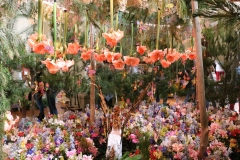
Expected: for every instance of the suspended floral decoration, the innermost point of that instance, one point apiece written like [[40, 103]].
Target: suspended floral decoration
[[56, 60]]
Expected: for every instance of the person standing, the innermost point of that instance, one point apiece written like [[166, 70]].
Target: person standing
[[51, 99], [39, 91], [162, 87]]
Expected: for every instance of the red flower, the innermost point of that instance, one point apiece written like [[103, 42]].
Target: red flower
[[29, 145], [20, 134], [156, 55], [131, 61], [113, 37], [51, 66], [73, 48], [192, 55], [165, 63], [141, 49], [116, 56], [119, 64], [72, 117], [40, 48], [94, 135], [87, 55], [99, 57], [78, 134], [184, 57], [148, 60]]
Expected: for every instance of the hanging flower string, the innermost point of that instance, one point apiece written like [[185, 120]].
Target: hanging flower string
[[56, 58], [39, 44], [130, 60]]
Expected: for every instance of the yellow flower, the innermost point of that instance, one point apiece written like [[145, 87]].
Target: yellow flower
[[232, 145], [157, 154]]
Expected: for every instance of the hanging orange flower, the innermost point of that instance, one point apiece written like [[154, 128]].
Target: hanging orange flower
[[40, 48], [51, 66], [99, 57], [65, 69], [192, 55], [33, 39], [184, 57], [87, 55], [141, 49], [113, 37], [170, 57], [148, 60], [156, 55], [165, 63], [116, 56], [108, 55], [131, 61], [73, 48], [118, 64]]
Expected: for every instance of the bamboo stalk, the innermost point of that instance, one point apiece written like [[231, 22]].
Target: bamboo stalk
[[158, 28], [92, 87], [40, 19], [201, 102], [55, 27]]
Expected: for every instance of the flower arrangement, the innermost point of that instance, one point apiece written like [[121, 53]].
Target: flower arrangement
[[170, 132]]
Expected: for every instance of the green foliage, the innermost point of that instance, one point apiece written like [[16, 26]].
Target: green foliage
[[126, 85], [144, 144], [10, 44], [136, 157], [4, 78], [218, 9], [222, 41]]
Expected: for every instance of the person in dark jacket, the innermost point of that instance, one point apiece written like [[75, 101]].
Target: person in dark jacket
[[39, 91], [51, 97], [162, 87]]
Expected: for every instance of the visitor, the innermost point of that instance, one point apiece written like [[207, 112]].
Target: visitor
[[191, 85], [51, 99], [39, 91], [162, 87]]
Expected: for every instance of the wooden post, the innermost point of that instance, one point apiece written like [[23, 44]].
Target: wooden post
[[92, 87], [201, 101]]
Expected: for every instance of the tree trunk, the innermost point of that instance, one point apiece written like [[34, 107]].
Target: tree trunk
[[92, 87], [201, 102]]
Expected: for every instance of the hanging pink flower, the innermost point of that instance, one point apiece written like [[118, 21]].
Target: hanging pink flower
[[51, 66], [111, 56], [108, 55], [87, 55], [184, 57], [170, 57], [118, 64], [113, 37], [39, 48], [192, 55], [116, 56], [165, 63], [156, 55], [33, 39], [99, 57], [177, 147], [131, 61], [141, 49], [147, 60], [73, 48], [193, 154]]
